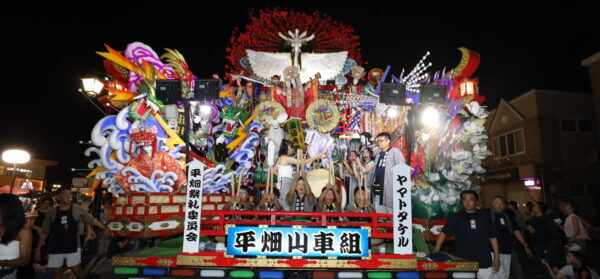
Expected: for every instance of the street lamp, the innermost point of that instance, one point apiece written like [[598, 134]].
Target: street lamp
[[92, 86], [14, 157]]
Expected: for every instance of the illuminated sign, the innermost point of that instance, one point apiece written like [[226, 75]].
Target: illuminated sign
[[303, 242]]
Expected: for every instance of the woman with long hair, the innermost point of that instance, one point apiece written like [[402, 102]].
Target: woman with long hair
[[285, 171], [366, 165], [575, 230], [15, 237], [351, 177]]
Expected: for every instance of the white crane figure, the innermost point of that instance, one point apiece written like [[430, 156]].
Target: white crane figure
[[268, 64]]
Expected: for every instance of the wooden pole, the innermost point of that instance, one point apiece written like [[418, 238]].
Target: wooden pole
[[233, 188], [270, 182], [364, 185]]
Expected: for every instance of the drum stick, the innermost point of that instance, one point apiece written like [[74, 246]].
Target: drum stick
[[270, 185], [364, 185], [299, 154], [268, 180], [233, 188], [239, 183]]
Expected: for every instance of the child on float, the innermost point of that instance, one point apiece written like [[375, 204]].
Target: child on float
[[284, 169], [330, 200], [361, 204], [300, 197], [241, 202], [270, 201]]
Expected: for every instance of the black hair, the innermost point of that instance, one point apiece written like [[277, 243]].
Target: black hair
[[514, 204], [47, 199], [367, 135], [275, 191], [357, 189], [529, 206], [283, 147], [13, 217], [385, 135], [246, 188], [466, 192], [579, 256], [332, 190], [500, 197], [541, 205], [63, 188], [572, 204], [370, 150]]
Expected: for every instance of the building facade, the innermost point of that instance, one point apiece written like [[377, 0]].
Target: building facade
[[593, 65], [29, 176], [545, 136]]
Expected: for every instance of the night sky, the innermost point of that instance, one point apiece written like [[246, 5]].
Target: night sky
[[45, 53]]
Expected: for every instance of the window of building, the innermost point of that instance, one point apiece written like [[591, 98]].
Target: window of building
[[568, 125], [509, 144], [585, 125], [576, 125]]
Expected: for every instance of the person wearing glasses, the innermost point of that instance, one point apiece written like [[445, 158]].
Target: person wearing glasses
[[387, 158]]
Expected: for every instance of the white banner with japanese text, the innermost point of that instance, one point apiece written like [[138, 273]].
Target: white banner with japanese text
[[402, 209], [193, 207]]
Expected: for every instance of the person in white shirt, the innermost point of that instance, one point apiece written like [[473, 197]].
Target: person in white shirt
[[576, 233], [576, 268]]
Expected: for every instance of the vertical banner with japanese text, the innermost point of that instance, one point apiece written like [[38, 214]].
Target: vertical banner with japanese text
[[193, 207], [402, 209]]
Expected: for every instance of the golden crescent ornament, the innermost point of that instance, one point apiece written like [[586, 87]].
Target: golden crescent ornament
[[464, 60]]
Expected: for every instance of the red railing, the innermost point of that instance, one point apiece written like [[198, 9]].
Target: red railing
[[216, 226]]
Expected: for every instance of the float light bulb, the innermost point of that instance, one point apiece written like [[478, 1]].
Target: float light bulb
[[430, 117], [393, 112], [205, 109]]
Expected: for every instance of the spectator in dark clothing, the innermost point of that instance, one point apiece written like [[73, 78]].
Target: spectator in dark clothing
[[61, 226], [513, 207], [507, 231], [517, 256], [473, 233], [543, 238], [40, 265]]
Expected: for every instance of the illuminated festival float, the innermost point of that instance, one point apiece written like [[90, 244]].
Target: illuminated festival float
[[192, 160]]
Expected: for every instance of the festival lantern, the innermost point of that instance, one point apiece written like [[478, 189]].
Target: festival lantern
[[468, 87]]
